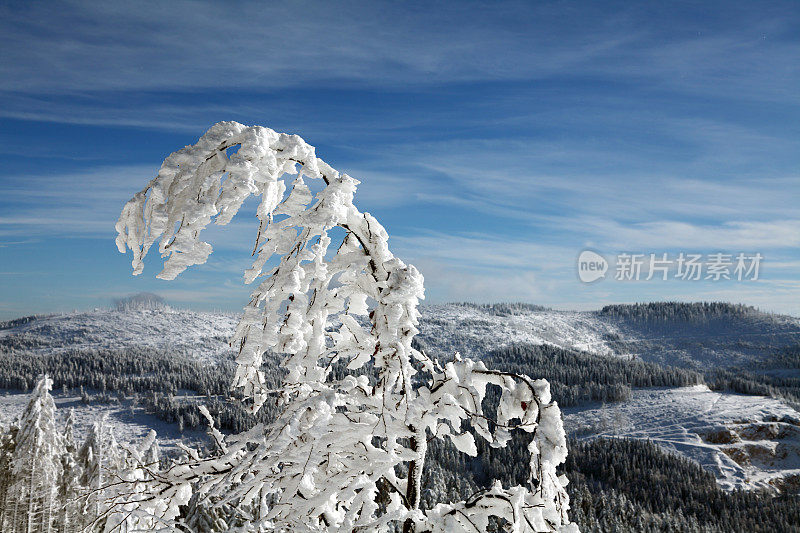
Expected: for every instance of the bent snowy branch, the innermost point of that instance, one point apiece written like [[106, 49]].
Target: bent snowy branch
[[358, 400]]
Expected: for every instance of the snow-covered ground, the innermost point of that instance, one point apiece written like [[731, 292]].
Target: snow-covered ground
[[130, 423], [202, 335], [474, 331], [471, 330], [467, 329], [746, 441]]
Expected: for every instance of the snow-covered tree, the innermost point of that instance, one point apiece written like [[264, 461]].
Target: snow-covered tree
[[90, 464], [101, 462], [69, 480], [31, 499], [359, 403], [8, 442], [131, 467]]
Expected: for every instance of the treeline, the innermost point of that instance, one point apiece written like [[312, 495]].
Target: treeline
[[143, 301], [229, 415], [575, 379], [693, 313], [578, 377], [158, 379], [504, 309], [745, 381], [129, 370], [634, 486], [776, 376], [787, 357], [8, 324]]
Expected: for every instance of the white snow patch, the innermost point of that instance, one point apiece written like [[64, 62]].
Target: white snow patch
[[201, 335], [474, 327], [130, 424], [746, 441]]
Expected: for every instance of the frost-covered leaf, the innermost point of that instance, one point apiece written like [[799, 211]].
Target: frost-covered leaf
[[357, 400]]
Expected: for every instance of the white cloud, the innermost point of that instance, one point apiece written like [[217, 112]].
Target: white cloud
[[480, 251], [78, 46], [487, 268], [101, 54], [660, 236], [746, 175], [446, 282]]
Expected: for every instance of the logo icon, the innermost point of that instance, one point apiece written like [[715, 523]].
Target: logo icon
[[591, 266]]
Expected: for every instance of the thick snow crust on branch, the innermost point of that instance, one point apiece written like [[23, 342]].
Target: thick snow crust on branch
[[358, 401]]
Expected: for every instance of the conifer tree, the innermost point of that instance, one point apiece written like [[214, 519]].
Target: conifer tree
[[90, 461], [101, 462], [32, 499], [69, 481], [8, 441]]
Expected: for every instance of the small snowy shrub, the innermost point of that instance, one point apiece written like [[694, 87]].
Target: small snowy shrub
[[358, 403]]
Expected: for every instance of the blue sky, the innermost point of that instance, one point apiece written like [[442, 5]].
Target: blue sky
[[494, 141]]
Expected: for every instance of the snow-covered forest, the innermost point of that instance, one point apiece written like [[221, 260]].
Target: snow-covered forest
[[352, 409], [114, 362], [493, 267], [49, 481]]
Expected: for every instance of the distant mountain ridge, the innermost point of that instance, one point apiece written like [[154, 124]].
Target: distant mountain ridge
[[171, 359], [690, 335]]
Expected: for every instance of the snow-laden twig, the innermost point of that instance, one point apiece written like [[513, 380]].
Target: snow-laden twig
[[358, 400]]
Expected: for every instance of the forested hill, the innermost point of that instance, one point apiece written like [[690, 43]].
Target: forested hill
[[589, 356], [696, 336], [704, 335], [144, 359], [695, 313]]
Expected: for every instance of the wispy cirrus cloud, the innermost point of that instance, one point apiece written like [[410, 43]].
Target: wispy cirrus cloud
[[600, 193], [669, 235], [129, 47], [94, 63], [75, 203], [490, 269], [493, 140]]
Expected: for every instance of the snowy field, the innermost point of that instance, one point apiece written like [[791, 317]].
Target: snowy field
[[746, 441], [202, 335], [467, 328], [130, 423]]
